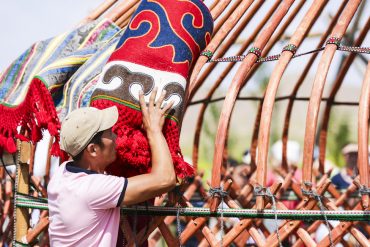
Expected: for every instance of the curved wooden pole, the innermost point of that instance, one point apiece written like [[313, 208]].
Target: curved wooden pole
[[218, 82], [300, 82], [217, 39], [317, 90], [266, 50], [336, 86], [125, 18], [234, 90], [221, 51], [269, 99], [99, 11], [224, 74], [270, 44], [217, 9], [225, 16], [120, 9], [363, 137], [213, 4]]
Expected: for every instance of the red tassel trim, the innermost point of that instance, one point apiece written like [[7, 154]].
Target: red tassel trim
[[36, 113], [56, 151], [132, 145]]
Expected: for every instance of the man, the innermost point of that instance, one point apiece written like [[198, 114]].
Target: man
[[83, 201], [343, 179]]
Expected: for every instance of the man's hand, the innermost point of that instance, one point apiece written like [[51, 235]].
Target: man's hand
[[162, 177], [154, 113]]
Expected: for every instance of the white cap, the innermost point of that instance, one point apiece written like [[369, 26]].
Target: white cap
[[81, 125]]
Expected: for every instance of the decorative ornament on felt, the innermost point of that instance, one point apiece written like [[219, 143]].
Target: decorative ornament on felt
[[161, 44]]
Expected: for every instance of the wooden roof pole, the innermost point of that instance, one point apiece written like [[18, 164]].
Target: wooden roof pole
[[234, 90], [213, 4], [317, 90], [363, 137], [218, 8], [300, 82], [221, 51], [248, 188], [120, 9], [125, 18], [209, 69], [274, 82], [217, 39], [225, 16], [336, 86], [270, 44], [275, 38], [99, 11], [222, 76]]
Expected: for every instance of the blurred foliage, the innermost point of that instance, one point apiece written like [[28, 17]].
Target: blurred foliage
[[338, 136]]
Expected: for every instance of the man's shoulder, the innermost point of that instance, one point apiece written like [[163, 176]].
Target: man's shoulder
[[339, 181]]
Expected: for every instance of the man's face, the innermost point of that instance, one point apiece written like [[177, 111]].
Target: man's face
[[107, 152], [351, 160]]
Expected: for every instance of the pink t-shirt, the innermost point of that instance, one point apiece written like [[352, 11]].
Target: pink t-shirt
[[84, 207]]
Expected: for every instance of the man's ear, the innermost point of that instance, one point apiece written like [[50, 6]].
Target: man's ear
[[91, 149]]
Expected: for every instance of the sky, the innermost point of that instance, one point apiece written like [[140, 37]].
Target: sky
[[24, 22]]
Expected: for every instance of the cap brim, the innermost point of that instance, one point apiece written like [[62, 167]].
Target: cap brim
[[109, 117]]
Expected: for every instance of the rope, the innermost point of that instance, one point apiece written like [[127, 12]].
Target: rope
[[17, 243], [262, 191], [178, 226], [346, 103], [6, 170], [290, 47], [221, 193], [364, 190], [178, 192], [15, 194], [311, 193]]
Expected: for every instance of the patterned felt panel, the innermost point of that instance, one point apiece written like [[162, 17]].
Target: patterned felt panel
[[32, 85], [158, 49]]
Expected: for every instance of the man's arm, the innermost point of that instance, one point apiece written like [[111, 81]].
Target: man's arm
[[162, 177]]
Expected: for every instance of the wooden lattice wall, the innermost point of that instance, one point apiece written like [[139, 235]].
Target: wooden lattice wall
[[251, 30]]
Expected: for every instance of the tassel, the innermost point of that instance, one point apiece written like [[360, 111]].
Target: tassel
[[133, 148], [10, 146], [2, 140], [132, 145], [43, 119], [36, 134], [52, 128], [56, 151], [182, 168], [21, 137]]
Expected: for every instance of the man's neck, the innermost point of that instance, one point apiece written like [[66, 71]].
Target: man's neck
[[84, 164]]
